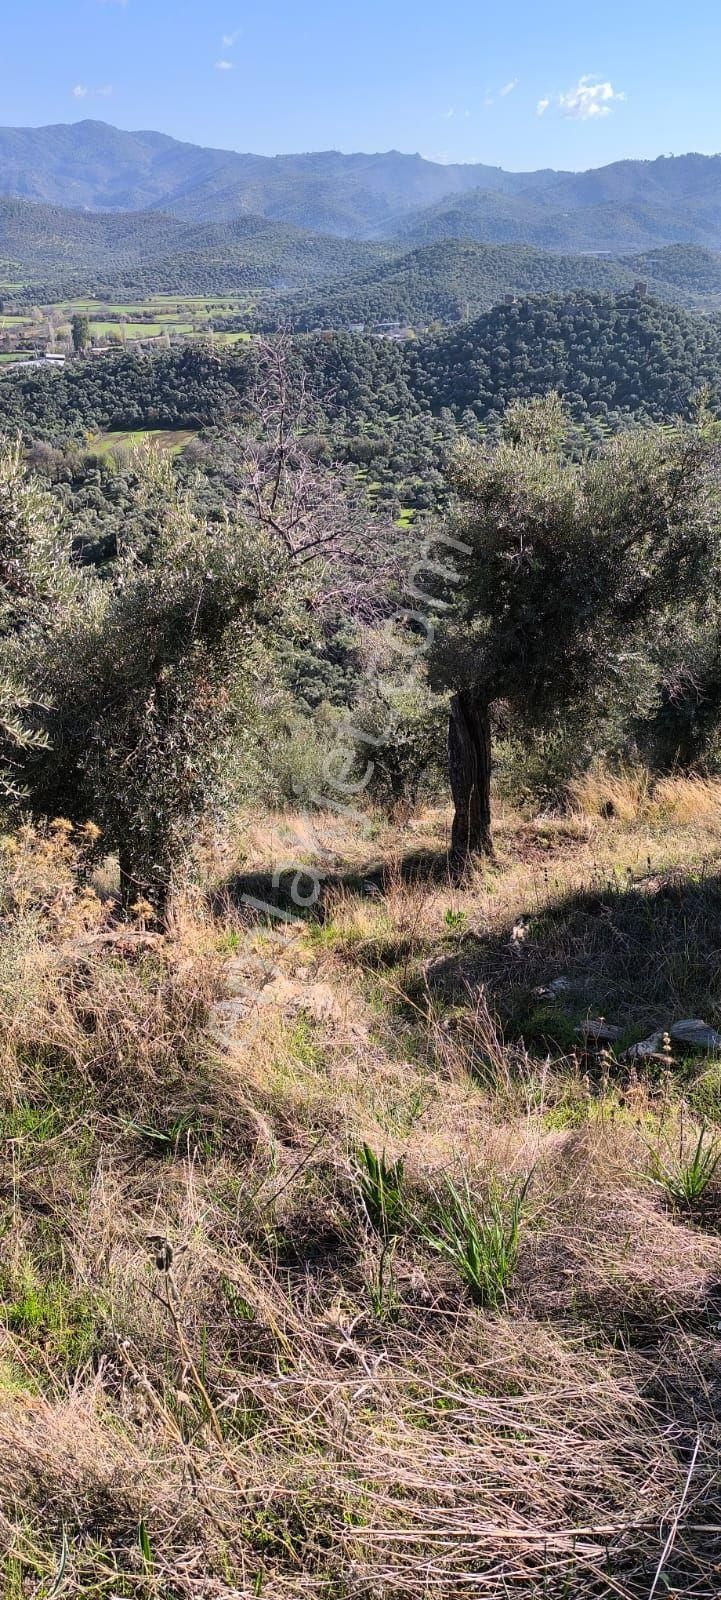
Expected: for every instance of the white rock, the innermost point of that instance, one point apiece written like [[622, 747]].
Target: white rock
[[549, 991], [645, 1047]]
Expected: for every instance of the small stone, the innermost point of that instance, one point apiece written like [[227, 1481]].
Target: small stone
[[225, 1019], [599, 1031], [549, 991]]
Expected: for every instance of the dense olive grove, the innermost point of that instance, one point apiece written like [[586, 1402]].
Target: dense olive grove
[[186, 387], [159, 616], [611, 357]]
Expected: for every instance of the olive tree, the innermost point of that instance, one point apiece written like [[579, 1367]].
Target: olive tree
[[141, 684], [37, 582], [150, 680], [570, 568], [122, 692]]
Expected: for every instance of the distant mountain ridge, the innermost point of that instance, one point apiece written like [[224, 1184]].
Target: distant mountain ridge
[[626, 206], [94, 166]]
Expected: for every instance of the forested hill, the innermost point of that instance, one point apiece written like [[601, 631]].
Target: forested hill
[[148, 250], [608, 354], [308, 280], [447, 282], [613, 358], [93, 165], [456, 279], [530, 219]]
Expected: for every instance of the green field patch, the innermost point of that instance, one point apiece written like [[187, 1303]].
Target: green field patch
[[132, 330], [170, 440]]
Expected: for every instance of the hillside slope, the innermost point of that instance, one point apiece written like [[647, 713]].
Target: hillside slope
[[628, 225], [53, 245], [608, 353], [94, 165], [454, 279], [250, 1344], [613, 357], [629, 205], [447, 281]]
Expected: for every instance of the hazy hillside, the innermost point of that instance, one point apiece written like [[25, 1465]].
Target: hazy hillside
[[531, 219], [455, 279], [55, 247], [93, 165], [629, 205], [690, 269], [667, 180], [323, 280], [448, 281]]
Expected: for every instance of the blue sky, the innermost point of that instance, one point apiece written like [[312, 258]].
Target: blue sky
[[519, 85]]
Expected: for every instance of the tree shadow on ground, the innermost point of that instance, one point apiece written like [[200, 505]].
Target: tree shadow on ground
[[639, 954], [306, 892]]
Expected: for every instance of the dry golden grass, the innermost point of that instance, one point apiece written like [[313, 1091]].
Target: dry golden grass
[[632, 795], [218, 1376]]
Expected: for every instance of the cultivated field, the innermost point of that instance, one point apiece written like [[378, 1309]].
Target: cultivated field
[[184, 316], [172, 441]]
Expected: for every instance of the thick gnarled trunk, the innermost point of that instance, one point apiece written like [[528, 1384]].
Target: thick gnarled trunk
[[469, 765]]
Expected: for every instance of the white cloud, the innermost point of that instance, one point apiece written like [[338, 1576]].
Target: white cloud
[[449, 114], [500, 94], [542, 106], [589, 99], [225, 66], [229, 39], [83, 91]]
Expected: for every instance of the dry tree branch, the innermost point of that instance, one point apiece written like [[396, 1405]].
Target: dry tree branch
[[318, 516]]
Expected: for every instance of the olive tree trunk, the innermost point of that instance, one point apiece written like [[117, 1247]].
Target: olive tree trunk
[[136, 885], [469, 765]]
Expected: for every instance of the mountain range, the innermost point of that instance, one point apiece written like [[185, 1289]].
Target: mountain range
[[626, 206]]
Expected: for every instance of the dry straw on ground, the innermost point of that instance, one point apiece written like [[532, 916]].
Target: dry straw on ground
[[221, 1374]]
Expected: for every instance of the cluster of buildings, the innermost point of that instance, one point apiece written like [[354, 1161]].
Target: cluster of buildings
[[48, 359], [398, 331]]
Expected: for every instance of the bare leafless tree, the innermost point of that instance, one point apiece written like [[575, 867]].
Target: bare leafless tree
[[314, 508]]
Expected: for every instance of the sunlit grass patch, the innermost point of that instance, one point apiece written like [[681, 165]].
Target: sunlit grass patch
[[171, 441]]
